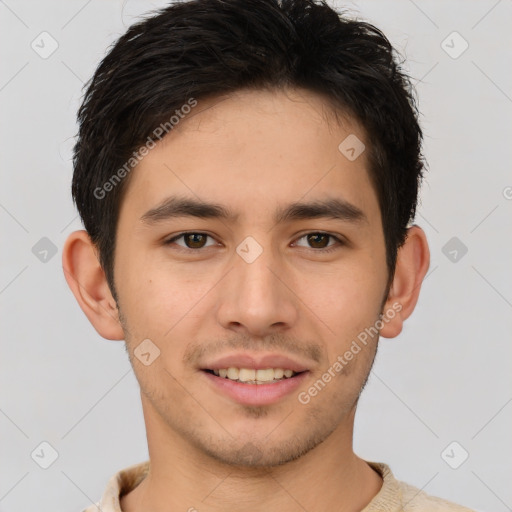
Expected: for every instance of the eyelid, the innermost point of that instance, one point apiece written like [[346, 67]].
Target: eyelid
[[173, 239], [340, 241], [337, 236]]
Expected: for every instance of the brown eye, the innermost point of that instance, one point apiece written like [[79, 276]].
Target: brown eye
[[318, 241], [195, 240], [192, 240]]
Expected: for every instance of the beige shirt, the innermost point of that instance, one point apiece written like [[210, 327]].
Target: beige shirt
[[394, 496]]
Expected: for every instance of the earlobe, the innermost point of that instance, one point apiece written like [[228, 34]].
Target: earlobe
[[412, 264], [87, 281]]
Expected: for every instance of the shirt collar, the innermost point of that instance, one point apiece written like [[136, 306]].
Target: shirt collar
[[388, 499]]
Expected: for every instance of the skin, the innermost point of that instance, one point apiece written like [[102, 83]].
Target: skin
[[252, 151]]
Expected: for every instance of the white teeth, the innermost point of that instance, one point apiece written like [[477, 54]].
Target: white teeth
[[252, 376], [278, 373], [233, 373], [265, 375], [245, 374]]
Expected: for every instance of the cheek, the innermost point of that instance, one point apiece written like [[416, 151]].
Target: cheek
[[167, 306], [347, 298], [161, 305], [155, 293], [348, 305]]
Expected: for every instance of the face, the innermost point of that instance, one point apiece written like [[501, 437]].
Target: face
[[280, 268]]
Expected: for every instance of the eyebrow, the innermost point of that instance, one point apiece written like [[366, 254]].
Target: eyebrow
[[177, 207]]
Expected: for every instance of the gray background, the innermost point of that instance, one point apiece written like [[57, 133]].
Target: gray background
[[446, 378]]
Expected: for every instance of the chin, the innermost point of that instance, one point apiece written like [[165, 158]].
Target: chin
[[250, 451]]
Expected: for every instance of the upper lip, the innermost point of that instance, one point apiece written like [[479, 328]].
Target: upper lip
[[255, 361]]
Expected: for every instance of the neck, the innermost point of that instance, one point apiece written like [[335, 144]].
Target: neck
[[328, 477]]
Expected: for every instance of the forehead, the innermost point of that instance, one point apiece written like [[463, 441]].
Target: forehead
[[253, 149]]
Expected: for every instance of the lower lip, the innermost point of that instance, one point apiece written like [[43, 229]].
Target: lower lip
[[256, 394]]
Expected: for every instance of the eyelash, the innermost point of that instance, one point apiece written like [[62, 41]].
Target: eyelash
[[326, 250]]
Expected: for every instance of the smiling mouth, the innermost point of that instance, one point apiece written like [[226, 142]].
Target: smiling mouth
[[252, 376]]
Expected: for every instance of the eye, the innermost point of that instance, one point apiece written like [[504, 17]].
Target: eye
[[319, 240], [192, 240]]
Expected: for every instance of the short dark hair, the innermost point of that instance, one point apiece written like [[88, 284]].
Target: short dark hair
[[202, 48]]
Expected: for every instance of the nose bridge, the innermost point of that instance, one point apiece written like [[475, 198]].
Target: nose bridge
[[256, 297], [253, 264]]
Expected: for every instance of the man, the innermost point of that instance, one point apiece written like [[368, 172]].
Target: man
[[247, 173]]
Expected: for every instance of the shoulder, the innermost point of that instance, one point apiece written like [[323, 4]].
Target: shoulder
[[121, 483], [92, 508], [402, 497], [416, 500]]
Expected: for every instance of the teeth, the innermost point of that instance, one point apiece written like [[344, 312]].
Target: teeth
[[233, 373], [265, 375], [251, 376], [245, 375], [278, 373]]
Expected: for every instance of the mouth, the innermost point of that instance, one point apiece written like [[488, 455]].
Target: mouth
[[253, 376], [255, 387]]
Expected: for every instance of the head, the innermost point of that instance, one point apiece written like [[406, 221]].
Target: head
[[246, 172]]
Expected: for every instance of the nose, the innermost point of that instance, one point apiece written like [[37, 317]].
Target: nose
[[257, 297]]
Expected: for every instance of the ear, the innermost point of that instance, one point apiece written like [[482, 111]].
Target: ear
[[88, 283], [412, 264]]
